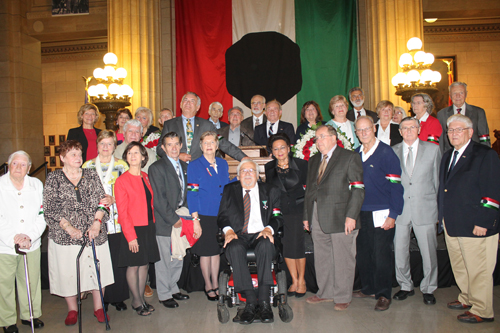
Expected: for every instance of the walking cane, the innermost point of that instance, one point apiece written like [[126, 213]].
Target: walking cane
[[18, 250], [78, 292], [96, 262]]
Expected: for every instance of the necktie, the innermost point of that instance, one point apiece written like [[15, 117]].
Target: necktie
[[359, 114], [270, 130], [189, 132], [246, 205], [459, 110], [181, 183], [257, 122], [322, 167], [409, 161], [453, 161]]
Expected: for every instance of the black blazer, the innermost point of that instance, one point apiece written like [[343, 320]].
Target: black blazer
[[394, 136], [260, 135], [231, 211], [78, 135], [350, 115], [474, 177], [247, 126], [293, 199]]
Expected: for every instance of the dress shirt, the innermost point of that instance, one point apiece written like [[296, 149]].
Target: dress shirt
[[184, 123], [346, 128], [217, 124], [362, 112], [384, 135], [275, 126], [414, 150], [462, 109], [234, 136], [261, 119], [177, 166], [329, 153], [424, 117], [460, 152], [366, 156]]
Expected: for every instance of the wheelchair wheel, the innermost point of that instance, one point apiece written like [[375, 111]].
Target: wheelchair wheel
[[281, 281], [285, 311], [223, 313], [223, 281]]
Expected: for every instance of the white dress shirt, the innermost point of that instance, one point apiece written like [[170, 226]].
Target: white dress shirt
[[366, 156], [362, 112], [384, 135], [414, 149], [460, 152], [261, 119], [275, 127]]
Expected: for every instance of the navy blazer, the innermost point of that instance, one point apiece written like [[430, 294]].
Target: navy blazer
[[78, 135], [260, 135], [461, 192]]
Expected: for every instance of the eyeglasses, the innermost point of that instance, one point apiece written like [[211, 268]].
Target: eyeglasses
[[321, 137], [411, 128], [458, 130], [364, 130], [247, 171]]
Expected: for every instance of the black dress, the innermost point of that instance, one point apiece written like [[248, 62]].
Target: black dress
[[146, 238]]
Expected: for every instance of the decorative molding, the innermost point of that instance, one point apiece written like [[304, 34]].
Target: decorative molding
[[69, 49], [72, 56], [462, 29], [430, 38], [48, 13]]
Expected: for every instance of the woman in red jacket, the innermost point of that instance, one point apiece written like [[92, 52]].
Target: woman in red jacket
[[430, 128], [134, 201]]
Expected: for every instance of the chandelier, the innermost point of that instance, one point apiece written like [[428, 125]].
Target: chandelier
[[109, 94], [416, 75]]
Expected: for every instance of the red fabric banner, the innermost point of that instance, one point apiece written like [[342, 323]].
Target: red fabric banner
[[203, 34]]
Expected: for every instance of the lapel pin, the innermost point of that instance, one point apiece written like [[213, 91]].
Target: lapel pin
[[264, 202]]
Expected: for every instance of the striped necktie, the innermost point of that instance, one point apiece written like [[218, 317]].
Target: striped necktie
[[270, 131], [246, 205]]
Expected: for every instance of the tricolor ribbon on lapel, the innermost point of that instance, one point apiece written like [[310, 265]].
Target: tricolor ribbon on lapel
[[484, 138], [490, 203], [193, 187], [40, 212], [360, 185], [304, 186], [433, 138], [219, 137], [396, 179], [276, 212]]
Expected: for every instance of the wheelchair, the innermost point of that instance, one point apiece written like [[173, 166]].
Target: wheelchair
[[228, 298]]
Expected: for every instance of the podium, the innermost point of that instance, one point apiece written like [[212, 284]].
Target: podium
[[257, 153]]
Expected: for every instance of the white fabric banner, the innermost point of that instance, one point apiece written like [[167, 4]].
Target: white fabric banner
[[266, 15]]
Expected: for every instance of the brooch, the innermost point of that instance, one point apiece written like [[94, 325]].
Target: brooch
[[265, 204]]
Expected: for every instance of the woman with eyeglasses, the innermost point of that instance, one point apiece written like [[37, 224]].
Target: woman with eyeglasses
[[430, 128]]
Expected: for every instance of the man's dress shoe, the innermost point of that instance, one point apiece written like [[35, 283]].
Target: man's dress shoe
[[11, 329], [457, 305], [429, 299], [471, 318], [266, 312], [249, 313], [403, 294], [382, 304], [170, 303], [180, 297]]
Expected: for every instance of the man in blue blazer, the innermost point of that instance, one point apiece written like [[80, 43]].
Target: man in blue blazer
[[468, 201], [273, 125], [249, 215], [458, 94]]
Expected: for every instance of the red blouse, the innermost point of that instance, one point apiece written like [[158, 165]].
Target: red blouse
[[92, 143], [430, 130]]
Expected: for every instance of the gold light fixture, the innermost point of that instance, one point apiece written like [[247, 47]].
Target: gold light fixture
[[416, 75], [110, 93]]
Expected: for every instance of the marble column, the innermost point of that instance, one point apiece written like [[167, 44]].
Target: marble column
[[134, 36], [385, 27], [21, 111]]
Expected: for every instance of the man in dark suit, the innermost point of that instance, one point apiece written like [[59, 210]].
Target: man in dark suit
[[273, 125], [168, 178], [333, 199], [458, 94], [249, 215], [468, 201], [420, 179], [191, 128], [215, 111], [234, 132], [357, 98], [258, 105]]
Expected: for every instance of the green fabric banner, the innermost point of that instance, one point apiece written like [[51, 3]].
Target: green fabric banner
[[326, 31]]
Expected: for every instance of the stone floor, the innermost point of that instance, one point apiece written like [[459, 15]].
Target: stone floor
[[199, 315]]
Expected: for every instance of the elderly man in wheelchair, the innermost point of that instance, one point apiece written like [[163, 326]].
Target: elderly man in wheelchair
[[249, 216]]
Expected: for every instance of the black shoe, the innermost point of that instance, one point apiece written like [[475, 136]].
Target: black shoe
[[11, 329], [180, 297], [211, 298], [429, 299], [266, 312], [403, 294], [37, 323], [120, 306], [249, 313], [170, 303]]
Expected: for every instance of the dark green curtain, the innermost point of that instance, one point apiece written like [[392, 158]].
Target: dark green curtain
[[326, 31]]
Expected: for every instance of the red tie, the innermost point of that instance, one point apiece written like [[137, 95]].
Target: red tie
[[458, 110], [359, 114], [246, 205]]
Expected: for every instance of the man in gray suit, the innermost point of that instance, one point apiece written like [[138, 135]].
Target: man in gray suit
[[420, 179], [168, 178], [191, 128], [458, 94], [333, 199], [234, 132]]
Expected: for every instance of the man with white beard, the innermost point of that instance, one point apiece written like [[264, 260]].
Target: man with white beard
[[357, 98], [258, 105]]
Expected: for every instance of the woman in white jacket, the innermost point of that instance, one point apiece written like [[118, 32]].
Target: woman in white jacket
[[21, 222]]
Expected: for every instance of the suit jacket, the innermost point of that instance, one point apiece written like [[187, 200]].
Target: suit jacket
[[479, 124], [292, 200], [336, 198], [167, 194], [351, 116], [260, 135], [394, 134], [231, 212], [461, 192], [244, 141], [200, 126], [78, 135], [247, 126], [421, 188]]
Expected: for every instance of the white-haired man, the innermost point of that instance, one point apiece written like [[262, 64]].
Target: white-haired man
[[215, 111], [132, 131]]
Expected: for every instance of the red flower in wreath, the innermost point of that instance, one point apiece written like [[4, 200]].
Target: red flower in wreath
[[340, 144]]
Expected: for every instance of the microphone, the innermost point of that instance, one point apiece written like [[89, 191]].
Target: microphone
[[243, 134]]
